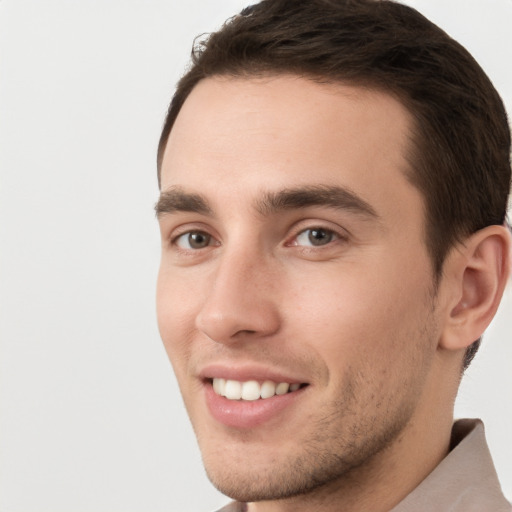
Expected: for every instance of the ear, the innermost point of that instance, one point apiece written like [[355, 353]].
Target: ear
[[475, 274]]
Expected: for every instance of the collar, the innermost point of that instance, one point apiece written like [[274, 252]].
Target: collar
[[464, 481]]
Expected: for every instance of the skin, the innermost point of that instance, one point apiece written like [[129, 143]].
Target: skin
[[358, 318]]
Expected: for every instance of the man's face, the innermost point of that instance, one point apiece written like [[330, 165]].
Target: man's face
[[293, 254]]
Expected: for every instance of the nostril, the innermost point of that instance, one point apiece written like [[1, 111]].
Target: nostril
[[244, 332]]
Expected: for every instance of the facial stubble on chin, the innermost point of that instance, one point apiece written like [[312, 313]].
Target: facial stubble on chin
[[330, 456], [343, 444]]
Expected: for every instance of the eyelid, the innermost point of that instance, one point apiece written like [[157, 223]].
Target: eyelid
[[186, 240], [341, 234], [190, 227], [332, 236]]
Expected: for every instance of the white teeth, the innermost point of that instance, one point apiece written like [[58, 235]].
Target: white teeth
[[268, 389], [233, 390], [219, 385], [251, 390]]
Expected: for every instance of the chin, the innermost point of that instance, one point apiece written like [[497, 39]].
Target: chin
[[329, 460]]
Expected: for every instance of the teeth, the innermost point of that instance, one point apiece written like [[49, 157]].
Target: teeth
[[251, 389], [233, 390], [219, 385], [268, 389], [282, 388]]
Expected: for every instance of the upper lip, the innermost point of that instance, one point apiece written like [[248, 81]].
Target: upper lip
[[246, 372]]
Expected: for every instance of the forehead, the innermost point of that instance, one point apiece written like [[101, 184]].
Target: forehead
[[242, 135]]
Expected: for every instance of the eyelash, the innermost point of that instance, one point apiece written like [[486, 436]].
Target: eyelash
[[333, 235], [189, 233]]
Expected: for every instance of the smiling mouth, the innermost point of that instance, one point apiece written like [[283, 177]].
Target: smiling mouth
[[252, 390]]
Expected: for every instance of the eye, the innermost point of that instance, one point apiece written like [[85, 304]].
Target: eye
[[316, 237], [194, 240]]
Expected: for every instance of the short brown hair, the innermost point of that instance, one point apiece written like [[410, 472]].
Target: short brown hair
[[460, 151]]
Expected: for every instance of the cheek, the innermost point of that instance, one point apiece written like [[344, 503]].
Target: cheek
[[176, 303], [362, 316]]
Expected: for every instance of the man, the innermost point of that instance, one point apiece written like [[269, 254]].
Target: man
[[334, 179]]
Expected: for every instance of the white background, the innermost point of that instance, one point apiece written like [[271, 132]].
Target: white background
[[91, 419]]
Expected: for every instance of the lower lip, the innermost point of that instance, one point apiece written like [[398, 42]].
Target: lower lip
[[247, 413]]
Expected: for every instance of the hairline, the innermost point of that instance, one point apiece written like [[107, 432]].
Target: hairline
[[410, 152], [270, 73]]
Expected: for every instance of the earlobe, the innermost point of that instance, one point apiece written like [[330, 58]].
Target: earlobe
[[479, 272]]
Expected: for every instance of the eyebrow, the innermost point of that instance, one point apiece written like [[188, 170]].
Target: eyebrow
[[176, 199], [339, 198]]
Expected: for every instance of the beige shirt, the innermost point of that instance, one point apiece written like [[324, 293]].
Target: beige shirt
[[464, 481]]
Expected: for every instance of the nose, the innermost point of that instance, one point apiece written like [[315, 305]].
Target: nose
[[240, 303]]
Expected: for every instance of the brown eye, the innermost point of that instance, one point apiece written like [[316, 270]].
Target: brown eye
[[194, 240], [315, 237]]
